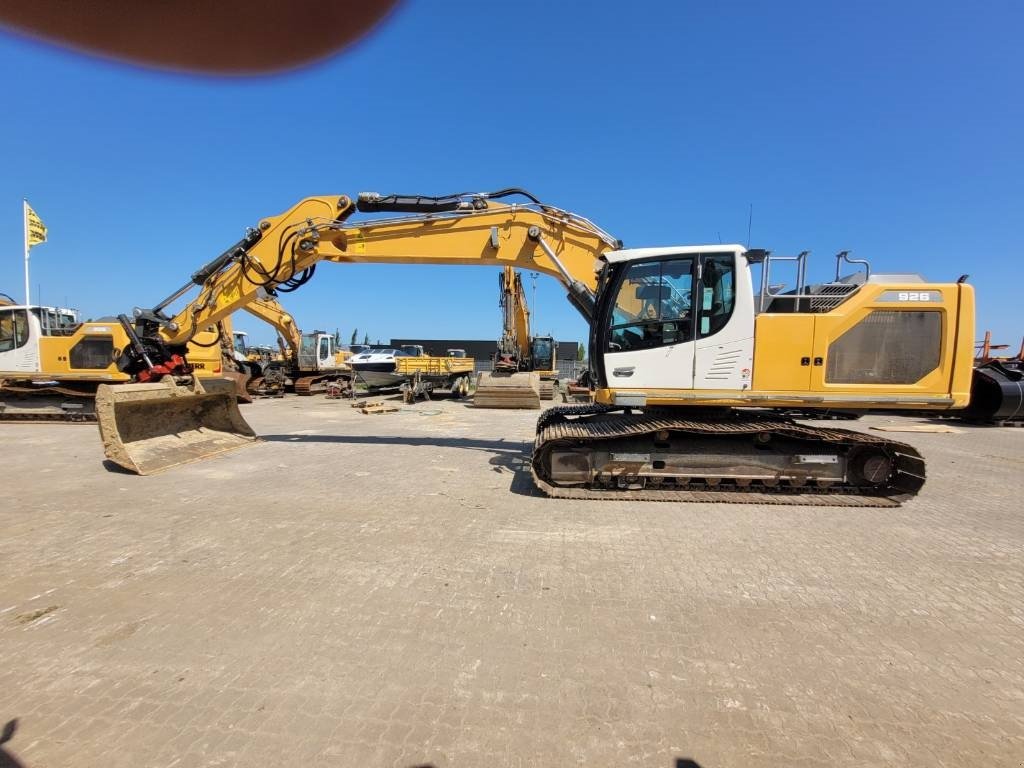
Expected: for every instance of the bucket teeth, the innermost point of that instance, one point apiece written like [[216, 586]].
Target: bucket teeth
[[148, 428]]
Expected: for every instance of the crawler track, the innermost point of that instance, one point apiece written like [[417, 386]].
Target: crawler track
[[588, 430], [313, 385], [25, 402]]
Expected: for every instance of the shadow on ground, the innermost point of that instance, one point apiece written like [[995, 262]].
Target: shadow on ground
[[508, 456], [7, 760], [680, 762]]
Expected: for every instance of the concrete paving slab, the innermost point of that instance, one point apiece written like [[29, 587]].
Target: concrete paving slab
[[389, 590]]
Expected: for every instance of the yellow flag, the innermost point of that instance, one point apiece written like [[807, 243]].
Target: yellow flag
[[34, 226]]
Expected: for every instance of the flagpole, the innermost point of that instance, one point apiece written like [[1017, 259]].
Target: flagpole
[[24, 218]]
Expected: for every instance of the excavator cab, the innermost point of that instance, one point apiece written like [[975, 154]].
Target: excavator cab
[[543, 352], [316, 352]]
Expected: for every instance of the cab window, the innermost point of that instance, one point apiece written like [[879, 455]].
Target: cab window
[[719, 293], [653, 306], [542, 354], [13, 329], [325, 348]]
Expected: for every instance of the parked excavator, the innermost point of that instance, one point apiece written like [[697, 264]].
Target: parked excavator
[[524, 369], [51, 363], [260, 354], [689, 357], [310, 362], [253, 361]]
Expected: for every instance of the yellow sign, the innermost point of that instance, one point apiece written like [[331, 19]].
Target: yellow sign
[[34, 226]]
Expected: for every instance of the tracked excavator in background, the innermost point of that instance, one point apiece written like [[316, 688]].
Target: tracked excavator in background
[[51, 363], [691, 358], [311, 362], [524, 366]]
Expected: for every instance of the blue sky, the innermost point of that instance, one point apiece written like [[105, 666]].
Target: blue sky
[[891, 129]]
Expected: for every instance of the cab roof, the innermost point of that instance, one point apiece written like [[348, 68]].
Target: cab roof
[[636, 254]]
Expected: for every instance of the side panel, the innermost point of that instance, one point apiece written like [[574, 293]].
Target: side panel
[[91, 351], [781, 344], [434, 366], [891, 339], [208, 360], [963, 361]]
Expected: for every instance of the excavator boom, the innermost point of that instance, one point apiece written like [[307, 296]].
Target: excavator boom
[[283, 251]]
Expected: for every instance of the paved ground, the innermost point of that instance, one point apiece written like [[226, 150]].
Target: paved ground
[[385, 590]]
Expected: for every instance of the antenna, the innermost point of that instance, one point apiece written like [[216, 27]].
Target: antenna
[[750, 223]]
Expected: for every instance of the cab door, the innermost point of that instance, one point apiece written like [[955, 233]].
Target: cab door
[[648, 343], [325, 355], [19, 340], [724, 346], [308, 352]]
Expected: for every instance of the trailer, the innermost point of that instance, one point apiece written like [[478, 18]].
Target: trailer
[[430, 375]]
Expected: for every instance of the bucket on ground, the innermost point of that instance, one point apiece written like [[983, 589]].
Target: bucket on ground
[[147, 428], [508, 390]]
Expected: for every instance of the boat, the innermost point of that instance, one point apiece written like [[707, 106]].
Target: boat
[[376, 367]]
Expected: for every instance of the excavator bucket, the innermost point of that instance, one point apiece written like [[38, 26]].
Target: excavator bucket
[[241, 382], [508, 390], [147, 428]]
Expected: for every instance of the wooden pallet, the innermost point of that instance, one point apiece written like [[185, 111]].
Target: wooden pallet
[[375, 407], [378, 406]]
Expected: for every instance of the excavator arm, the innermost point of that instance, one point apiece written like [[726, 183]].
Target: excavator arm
[[514, 346], [282, 252], [270, 311], [169, 417], [511, 382]]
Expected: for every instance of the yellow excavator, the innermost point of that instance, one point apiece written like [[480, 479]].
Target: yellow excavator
[[693, 361], [311, 362], [51, 363], [524, 369]]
